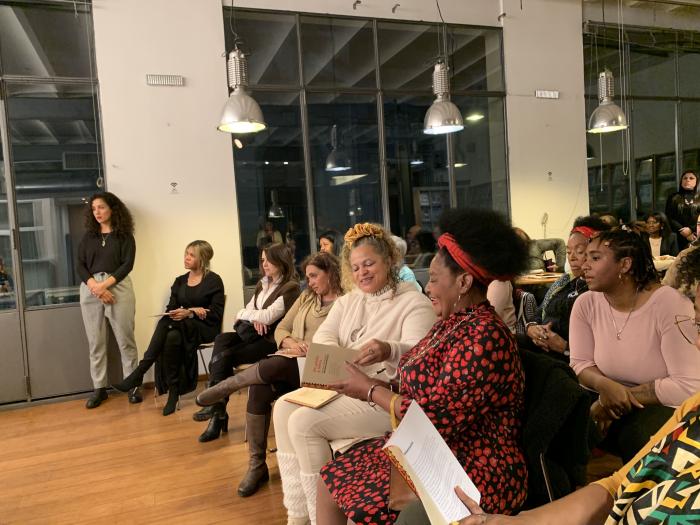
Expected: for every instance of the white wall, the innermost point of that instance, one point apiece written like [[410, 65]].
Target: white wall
[[157, 135]]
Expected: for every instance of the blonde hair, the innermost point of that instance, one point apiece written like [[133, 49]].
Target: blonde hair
[[377, 237], [204, 253]]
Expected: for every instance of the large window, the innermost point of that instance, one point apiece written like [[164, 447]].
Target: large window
[[49, 85], [355, 96], [632, 173]]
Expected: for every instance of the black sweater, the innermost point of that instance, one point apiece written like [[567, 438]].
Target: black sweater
[[209, 294], [116, 257]]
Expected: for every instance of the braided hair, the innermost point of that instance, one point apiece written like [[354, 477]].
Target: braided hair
[[627, 243]]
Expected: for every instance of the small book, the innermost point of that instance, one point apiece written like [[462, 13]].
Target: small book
[[325, 364], [423, 458], [311, 397]]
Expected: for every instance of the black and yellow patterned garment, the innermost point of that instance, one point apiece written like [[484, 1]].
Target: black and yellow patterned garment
[[663, 486]]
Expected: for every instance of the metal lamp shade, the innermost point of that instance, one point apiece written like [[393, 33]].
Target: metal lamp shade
[[442, 117], [241, 114], [337, 161], [606, 118]]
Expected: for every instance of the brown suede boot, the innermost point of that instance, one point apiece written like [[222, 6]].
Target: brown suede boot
[[223, 389], [256, 430]]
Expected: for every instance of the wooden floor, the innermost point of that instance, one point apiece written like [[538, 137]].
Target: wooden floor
[[122, 463]]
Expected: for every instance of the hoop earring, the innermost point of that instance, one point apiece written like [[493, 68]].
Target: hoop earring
[[454, 306]]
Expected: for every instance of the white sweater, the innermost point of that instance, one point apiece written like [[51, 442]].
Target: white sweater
[[400, 320]]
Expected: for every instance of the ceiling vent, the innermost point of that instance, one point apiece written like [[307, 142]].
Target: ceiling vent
[[79, 161]]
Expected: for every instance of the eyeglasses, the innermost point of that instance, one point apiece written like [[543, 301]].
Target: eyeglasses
[[689, 328]]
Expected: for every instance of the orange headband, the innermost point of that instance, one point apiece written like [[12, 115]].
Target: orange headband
[[465, 262]]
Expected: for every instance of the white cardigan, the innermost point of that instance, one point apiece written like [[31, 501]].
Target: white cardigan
[[400, 320]]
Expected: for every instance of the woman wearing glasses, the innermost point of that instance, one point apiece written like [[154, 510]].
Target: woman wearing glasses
[[660, 484], [625, 345]]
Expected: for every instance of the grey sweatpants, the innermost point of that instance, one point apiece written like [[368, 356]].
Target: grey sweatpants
[[121, 319]]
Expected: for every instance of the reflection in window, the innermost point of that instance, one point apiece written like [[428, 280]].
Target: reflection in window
[[7, 284], [46, 40], [344, 197], [475, 59], [407, 55], [270, 186], [55, 154]]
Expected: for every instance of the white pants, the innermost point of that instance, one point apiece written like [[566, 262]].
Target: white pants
[[121, 319], [306, 433]]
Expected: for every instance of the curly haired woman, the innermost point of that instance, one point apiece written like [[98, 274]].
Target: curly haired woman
[[382, 318]]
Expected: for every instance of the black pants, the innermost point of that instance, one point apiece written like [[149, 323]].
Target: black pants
[[166, 341], [230, 351], [630, 433], [281, 375]]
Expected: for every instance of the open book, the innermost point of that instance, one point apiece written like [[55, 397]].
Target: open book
[[420, 454], [325, 364], [311, 397]]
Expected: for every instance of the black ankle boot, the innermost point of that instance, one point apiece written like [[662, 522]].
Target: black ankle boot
[[203, 414], [218, 424], [135, 378], [95, 400], [173, 399]]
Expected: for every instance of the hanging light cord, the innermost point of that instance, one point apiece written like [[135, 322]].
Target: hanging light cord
[[232, 27], [625, 138]]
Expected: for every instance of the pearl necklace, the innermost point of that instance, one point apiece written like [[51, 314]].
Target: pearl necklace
[[618, 331]]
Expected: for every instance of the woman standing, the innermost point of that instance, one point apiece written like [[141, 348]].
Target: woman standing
[[380, 317], [465, 374], [682, 209], [277, 375], [105, 259], [625, 344], [193, 317]]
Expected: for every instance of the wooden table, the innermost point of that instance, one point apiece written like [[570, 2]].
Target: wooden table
[[536, 279]]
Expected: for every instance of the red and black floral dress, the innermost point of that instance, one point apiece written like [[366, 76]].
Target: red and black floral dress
[[467, 377]]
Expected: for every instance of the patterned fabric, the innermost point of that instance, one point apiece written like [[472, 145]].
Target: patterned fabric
[[467, 376], [664, 486]]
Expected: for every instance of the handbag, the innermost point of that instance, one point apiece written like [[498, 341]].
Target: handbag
[[400, 492], [246, 331]]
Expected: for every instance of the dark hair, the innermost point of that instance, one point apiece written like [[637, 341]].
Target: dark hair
[[279, 255], [121, 221], [609, 219], [688, 276], [663, 221], [627, 243], [328, 263], [489, 240], [680, 184], [522, 234], [591, 221], [335, 239], [426, 241]]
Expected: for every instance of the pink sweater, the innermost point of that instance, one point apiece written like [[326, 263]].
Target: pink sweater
[[651, 347]]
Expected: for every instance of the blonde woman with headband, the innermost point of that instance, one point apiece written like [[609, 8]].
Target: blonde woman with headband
[[382, 318], [193, 316]]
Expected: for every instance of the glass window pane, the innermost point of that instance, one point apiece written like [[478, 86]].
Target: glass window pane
[[480, 154], [688, 67], [653, 72], [55, 148], [690, 135], [346, 177], [417, 174], [46, 41], [338, 52], [406, 55], [7, 282], [475, 57], [270, 186], [271, 40]]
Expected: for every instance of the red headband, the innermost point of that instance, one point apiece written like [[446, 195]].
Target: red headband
[[462, 258], [587, 232]]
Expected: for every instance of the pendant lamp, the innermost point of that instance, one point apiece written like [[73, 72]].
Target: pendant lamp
[[276, 211], [337, 160], [442, 116], [608, 116], [241, 113]]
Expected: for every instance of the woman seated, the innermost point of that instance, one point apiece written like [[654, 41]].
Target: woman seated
[[330, 241], [193, 317], [274, 376], [662, 240], [465, 374], [537, 249], [253, 338], [382, 318], [625, 344], [550, 330], [405, 273], [658, 485]]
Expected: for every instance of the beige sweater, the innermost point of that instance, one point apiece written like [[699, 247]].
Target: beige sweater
[[314, 315], [400, 320]]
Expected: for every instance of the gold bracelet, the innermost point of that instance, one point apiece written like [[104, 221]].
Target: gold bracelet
[[392, 412]]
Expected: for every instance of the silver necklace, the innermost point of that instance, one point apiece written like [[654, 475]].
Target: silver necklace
[[618, 331], [104, 238], [576, 291]]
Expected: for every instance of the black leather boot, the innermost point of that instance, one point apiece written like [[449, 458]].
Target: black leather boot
[[135, 395], [218, 424], [95, 400], [135, 378], [173, 400], [204, 414], [256, 430]]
